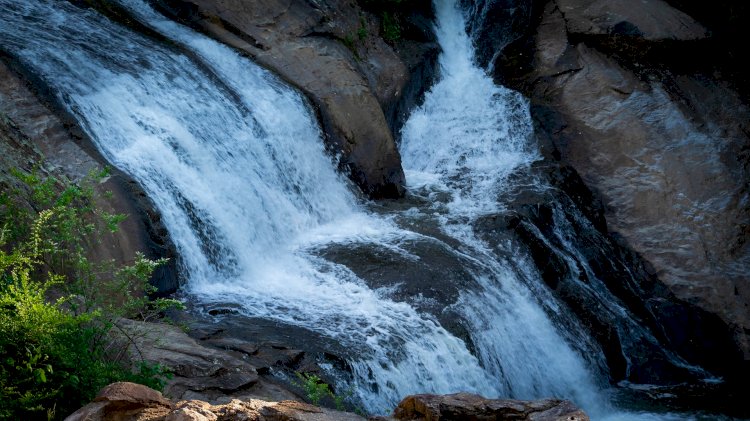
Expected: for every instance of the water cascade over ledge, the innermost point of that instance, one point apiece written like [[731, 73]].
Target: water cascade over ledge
[[234, 161]]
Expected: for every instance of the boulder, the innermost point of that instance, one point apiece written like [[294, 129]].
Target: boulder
[[124, 401], [134, 402], [199, 372], [330, 51], [465, 406]]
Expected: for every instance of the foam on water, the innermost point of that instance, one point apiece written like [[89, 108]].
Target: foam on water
[[233, 160], [238, 171]]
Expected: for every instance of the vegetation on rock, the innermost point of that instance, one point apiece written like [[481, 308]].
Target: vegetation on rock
[[57, 306]]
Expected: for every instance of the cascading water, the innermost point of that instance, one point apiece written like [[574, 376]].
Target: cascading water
[[234, 162], [235, 169], [466, 139]]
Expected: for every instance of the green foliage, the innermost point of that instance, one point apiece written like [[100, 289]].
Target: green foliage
[[316, 390], [362, 31], [349, 43], [392, 14], [391, 27], [57, 307]]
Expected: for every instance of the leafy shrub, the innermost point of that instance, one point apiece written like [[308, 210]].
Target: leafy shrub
[[315, 388], [391, 27], [57, 307]]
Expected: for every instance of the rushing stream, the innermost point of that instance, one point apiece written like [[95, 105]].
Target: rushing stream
[[234, 161]]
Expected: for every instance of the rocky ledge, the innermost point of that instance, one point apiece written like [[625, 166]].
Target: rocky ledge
[[129, 401]]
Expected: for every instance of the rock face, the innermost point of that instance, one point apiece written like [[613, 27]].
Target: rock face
[[199, 372], [663, 144], [331, 52], [32, 132], [130, 402], [465, 406]]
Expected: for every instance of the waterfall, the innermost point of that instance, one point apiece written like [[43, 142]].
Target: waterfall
[[234, 161], [466, 139]]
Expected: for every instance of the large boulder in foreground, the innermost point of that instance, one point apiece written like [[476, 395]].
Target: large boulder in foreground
[[130, 402], [125, 401], [465, 406], [331, 52]]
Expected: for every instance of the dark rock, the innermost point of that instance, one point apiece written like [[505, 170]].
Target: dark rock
[[197, 370], [625, 93], [652, 20], [493, 24]]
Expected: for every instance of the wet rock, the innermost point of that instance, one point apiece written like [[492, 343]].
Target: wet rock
[[33, 131], [198, 371], [332, 53], [465, 406], [493, 24]]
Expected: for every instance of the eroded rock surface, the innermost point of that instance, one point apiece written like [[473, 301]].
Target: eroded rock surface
[[199, 371], [331, 52], [130, 402]]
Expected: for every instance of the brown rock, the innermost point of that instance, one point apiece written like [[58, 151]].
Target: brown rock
[[91, 412], [131, 394], [465, 406], [317, 47], [124, 401], [666, 154], [667, 161], [192, 411]]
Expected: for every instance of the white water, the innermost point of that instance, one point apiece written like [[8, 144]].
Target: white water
[[465, 140], [234, 162], [237, 177]]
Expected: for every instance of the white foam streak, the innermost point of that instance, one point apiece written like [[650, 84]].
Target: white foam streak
[[466, 139]]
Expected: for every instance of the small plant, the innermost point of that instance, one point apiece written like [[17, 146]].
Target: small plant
[[391, 27], [315, 388], [362, 31]]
